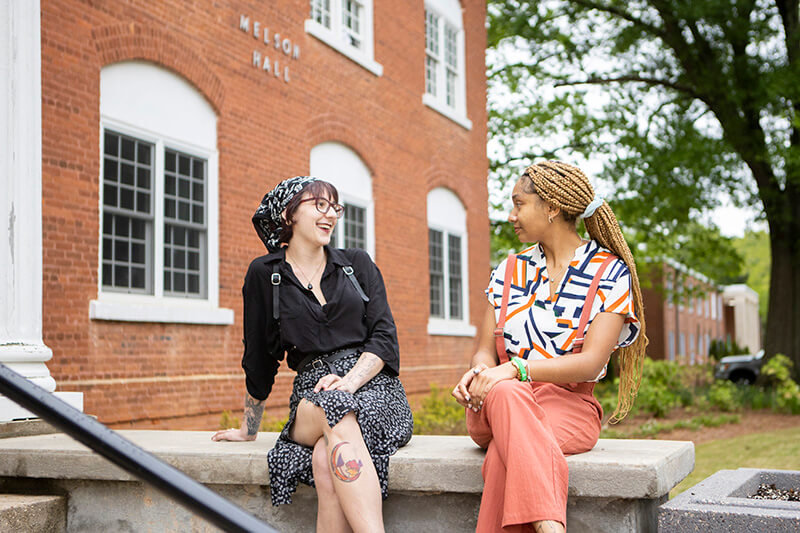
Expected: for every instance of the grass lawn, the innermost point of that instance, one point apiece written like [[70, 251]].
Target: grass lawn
[[775, 449]]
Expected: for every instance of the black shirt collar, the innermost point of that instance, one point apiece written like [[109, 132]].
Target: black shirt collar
[[335, 256]]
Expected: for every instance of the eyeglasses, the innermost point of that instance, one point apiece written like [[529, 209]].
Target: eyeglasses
[[323, 205]]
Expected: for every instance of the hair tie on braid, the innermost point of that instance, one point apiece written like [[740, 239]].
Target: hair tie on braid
[[592, 207]]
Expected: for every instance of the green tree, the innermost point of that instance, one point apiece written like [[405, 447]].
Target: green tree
[[754, 249], [683, 103]]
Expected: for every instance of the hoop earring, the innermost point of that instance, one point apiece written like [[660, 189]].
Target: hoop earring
[[550, 219]]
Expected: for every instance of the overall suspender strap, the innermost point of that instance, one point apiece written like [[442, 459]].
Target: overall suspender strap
[[588, 303], [276, 283], [348, 270], [499, 338]]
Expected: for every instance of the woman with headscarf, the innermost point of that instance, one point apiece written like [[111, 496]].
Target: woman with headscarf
[[325, 309], [529, 392]]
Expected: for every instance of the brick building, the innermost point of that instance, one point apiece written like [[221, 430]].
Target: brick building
[[164, 123], [684, 311]]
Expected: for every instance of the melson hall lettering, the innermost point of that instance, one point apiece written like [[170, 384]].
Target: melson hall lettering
[[281, 44]]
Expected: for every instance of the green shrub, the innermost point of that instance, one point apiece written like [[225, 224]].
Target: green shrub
[[777, 371], [725, 396], [439, 414], [662, 388]]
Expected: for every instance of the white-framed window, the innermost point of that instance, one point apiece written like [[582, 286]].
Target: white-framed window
[[158, 242], [338, 164], [445, 69], [691, 348], [346, 26], [713, 298], [682, 344], [447, 265]]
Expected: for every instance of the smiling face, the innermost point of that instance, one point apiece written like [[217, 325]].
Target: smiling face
[[311, 226], [529, 214]]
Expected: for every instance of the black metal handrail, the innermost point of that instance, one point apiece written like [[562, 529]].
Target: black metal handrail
[[123, 453]]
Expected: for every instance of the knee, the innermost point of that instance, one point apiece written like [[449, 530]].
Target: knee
[[346, 426], [307, 412], [321, 468], [505, 391]]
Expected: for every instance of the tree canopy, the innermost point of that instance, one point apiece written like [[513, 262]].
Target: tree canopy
[[680, 105]]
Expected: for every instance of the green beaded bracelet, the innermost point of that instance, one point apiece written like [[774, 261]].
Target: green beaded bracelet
[[522, 372]]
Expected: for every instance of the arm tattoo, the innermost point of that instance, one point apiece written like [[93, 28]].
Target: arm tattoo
[[346, 467], [253, 410], [366, 368]]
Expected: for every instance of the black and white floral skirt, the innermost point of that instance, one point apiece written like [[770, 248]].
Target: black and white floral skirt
[[382, 411]]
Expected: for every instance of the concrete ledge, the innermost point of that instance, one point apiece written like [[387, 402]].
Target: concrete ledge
[[632, 476], [42, 514]]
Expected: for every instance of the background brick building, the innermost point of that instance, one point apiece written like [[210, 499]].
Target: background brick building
[[164, 123], [686, 311]]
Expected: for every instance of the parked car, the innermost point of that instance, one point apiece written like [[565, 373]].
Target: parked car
[[740, 368]]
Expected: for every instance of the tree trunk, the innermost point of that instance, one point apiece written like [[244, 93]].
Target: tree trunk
[[783, 314]]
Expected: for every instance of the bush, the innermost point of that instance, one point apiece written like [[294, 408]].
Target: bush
[[724, 395], [663, 388], [439, 414]]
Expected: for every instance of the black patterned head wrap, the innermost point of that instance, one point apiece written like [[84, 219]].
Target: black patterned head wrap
[[267, 220]]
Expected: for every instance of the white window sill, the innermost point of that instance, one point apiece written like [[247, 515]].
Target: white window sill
[[452, 328], [168, 310], [325, 35], [460, 119]]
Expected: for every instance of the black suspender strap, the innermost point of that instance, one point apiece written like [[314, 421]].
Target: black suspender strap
[[348, 270], [276, 283]]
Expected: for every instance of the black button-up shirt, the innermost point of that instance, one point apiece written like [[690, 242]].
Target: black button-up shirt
[[307, 328]]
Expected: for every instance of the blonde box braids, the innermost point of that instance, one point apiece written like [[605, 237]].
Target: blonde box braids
[[567, 188]]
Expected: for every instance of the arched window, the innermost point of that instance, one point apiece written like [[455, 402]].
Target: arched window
[[158, 199], [447, 265], [445, 69], [338, 164]]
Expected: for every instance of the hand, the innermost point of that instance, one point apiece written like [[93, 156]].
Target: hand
[[487, 379], [233, 434], [460, 392], [328, 382]]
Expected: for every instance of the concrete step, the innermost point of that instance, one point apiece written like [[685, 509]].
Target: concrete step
[[33, 514]]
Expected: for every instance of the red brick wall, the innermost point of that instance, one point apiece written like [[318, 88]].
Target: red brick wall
[[693, 319], [168, 375]]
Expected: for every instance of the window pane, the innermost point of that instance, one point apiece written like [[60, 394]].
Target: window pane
[[435, 262], [430, 75], [321, 12], [111, 144], [127, 185], [354, 227], [450, 55], [454, 273], [431, 33]]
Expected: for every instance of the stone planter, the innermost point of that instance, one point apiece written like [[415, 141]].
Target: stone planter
[[722, 502]]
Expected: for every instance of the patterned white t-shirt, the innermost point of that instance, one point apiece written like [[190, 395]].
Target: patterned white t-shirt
[[543, 326]]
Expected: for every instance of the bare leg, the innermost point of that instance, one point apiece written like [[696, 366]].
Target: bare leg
[[354, 478], [548, 526], [330, 516]]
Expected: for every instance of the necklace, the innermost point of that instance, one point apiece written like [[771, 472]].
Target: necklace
[[309, 286]]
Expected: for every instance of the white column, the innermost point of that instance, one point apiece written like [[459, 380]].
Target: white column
[[21, 345]]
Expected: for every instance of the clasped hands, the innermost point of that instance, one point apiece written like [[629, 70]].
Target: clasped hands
[[475, 384], [334, 382]]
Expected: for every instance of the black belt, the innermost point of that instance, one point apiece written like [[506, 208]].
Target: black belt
[[318, 361]]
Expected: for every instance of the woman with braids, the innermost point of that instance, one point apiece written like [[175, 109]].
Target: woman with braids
[[326, 310], [529, 391]]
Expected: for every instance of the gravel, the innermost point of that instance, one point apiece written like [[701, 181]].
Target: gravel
[[769, 492]]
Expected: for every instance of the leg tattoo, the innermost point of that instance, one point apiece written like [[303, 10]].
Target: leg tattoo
[[346, 470]]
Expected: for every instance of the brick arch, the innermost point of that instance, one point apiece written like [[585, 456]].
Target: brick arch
[[125, 42], [332, 128], [437, 177]]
